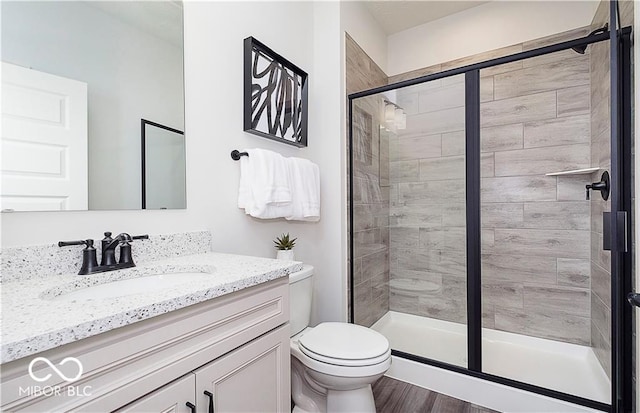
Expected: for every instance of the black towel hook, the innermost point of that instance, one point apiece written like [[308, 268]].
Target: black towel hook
[[236, 154]]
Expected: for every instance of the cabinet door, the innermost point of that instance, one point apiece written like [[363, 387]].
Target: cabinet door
[[171, 398], [252, 378]]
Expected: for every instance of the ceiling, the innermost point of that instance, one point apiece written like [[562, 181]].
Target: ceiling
[[397, 15], [164, 19]]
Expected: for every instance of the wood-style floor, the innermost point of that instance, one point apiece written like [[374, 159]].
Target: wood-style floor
[[394, 396]]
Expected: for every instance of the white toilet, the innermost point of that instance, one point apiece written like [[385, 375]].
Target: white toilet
[[333, 364]]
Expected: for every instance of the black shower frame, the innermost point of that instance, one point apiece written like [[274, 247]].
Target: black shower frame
[[143, 153], [621, 262]]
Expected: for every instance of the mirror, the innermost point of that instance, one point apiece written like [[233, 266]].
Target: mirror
[[79, 81]]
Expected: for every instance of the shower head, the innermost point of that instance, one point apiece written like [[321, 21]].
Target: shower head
[[582, 49]]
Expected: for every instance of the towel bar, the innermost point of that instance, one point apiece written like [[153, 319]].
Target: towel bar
[[236, 154]]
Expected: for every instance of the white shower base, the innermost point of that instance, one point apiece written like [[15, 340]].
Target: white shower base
[[568, 368]]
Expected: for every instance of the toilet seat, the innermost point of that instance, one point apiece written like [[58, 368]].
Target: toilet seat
[[337, 370], [345, 362], [343, 344]]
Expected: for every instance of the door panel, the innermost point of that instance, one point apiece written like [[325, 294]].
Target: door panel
[[243, 380], [44, 141], [409, 222], [545, 291]]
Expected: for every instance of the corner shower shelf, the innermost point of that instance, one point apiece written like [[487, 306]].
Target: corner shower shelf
[[574, 172]]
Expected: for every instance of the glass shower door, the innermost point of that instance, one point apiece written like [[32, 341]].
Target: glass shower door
[[544, 311], [421, 129]]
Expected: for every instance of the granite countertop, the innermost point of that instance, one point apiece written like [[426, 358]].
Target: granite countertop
[[33, 320]]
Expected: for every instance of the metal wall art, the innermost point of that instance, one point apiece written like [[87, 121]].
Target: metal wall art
[[275, 95]]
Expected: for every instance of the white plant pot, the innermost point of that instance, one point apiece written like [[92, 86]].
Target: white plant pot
[[286, 255]]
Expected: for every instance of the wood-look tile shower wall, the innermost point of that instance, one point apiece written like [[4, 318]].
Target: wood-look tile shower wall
[[535, 119], [370, 190]]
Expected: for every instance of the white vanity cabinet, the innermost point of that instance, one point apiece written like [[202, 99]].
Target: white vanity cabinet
[[235, 346], [248, 379]]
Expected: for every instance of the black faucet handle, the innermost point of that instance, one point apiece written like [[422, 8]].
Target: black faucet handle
[[125, 254], [125, 248], [603, 186], [87, 242], [89, 260]]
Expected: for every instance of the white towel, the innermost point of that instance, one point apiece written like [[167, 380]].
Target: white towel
[[264, 190], [272, 186], [305, 190], [245, 197]]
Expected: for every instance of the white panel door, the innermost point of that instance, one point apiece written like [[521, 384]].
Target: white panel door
[[44, 141]]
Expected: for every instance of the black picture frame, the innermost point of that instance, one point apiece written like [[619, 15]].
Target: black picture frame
[[275, 95]]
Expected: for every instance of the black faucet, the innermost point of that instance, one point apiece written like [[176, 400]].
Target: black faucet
[[108, 261]]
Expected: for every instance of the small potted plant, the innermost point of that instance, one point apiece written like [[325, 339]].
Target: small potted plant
[[284, 245]]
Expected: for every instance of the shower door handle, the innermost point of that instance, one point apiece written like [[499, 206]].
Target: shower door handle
[[619, 244]]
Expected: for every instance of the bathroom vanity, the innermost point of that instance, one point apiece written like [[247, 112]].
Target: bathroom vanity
[[217, 341]]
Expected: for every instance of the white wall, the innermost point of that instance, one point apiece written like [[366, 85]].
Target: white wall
[[486, 27], [130, 74], [356, 20], [331, 256], [214, 33], [308, 35]]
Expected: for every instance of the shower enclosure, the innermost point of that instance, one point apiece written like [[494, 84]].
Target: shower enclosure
[[476, 245]]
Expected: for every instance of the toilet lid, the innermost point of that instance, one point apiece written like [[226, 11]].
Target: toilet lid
[[336, 342]]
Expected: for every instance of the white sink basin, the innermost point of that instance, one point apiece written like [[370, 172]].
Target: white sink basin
[[132, 286]]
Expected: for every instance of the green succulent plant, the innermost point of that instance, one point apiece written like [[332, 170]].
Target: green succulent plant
[[284, 242]]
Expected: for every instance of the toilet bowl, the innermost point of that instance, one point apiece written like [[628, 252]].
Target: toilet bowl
[[333, 365]]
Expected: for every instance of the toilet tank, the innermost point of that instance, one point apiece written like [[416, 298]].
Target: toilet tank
[[300, 293]]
